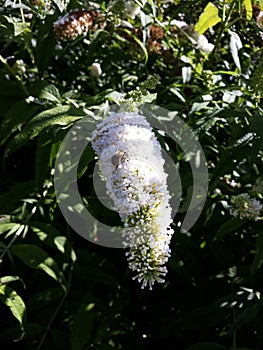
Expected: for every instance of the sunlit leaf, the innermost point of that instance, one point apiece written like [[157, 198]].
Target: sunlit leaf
[[20, 28], [249, 10], [208, 18], [62, 115], [53, 237], [15, 303], [46, 91], [60, 4], [235, 46], [8, 279], [37, 258]]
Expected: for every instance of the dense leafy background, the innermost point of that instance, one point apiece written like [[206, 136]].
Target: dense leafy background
[[58, 290]]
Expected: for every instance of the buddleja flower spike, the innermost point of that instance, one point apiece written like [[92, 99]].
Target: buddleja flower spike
[[132, 165]]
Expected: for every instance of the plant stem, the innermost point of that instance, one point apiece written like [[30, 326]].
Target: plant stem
[[17, 234], [223, 27], [10, 70], [57, 309], [21, 11]]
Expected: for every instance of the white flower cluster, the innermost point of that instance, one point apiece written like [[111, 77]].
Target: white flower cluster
[[132, 164], [245, 207]]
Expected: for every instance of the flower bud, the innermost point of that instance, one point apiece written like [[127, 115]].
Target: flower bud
[[95, 70]]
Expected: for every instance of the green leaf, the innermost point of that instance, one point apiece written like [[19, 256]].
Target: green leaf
[[62, 115], [235, 46], [45, 91], [15, 117], [31, 330], [11, 200], [37, 258], [245, 317], [178, 93], [82, 325], [97, 275], [8, 279], [258, 260], [53, 238], [44, 159], [86, 157], [15, 303], [116, 96], [227, 227], [46, 42], [249, 10], [208, 18], [20, 28], [12, 226], [139, 42], [60, 5], [44, 298]]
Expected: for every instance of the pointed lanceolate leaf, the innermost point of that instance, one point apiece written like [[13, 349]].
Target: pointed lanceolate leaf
[[208, 18], [258, 259], [15, 303], [245, 317], [45, 91], [60, 5], [37, 258], [62, 115], [82, 326], [235, 46], [8, 279], [249, 10], [52, 237]]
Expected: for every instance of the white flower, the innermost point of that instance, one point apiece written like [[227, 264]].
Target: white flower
[[202, 42], [131, 163], [95, 70], [260, 20], [245, 207], [179, 24]]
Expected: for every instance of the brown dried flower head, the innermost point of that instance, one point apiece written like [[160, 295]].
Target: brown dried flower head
[[156, 33], [36, 2], [73, 24]]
